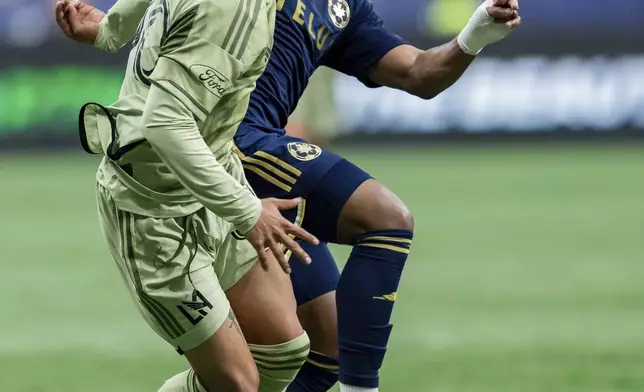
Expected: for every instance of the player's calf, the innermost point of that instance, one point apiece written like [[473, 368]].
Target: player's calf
[[380, 228]]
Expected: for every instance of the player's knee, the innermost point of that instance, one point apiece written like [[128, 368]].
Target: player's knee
[[397, 217], [244, 380], [373, 207], [241, 377], [271, 361]]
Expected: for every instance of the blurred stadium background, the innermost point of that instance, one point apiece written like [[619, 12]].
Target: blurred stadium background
[[526, 180]]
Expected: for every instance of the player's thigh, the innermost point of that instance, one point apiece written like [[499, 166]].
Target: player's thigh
[[167, 263], [286, 167], [265, 306], [262, 301], [314, 288]]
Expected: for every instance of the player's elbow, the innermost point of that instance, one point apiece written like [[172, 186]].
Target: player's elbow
[[428, 84], [422, 91], [426, 94], [421, 87], [149, 128]]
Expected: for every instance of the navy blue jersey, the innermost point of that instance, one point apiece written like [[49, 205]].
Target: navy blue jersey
[[346, 35]]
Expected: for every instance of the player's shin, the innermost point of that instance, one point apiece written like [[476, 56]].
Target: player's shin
[[365, 298], [279, 364], [318, 374], [183, 382]]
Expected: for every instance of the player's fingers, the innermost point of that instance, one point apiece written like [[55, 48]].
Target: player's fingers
[[262, 257], [499, 3], [287, 204], [300, 233], [59, 11], [514, 4], [83, 9], [513, 24], [72, 15], [262, 252], [498, 13], [61, 20], [279, 256], [295, 248]]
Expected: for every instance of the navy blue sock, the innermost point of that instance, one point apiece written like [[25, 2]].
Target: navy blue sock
[[365, 298], [318, 374]]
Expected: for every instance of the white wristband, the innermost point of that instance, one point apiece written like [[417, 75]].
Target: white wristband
[[481, 30], [469, 41]]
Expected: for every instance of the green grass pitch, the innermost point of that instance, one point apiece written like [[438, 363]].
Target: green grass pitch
[[526, 275]]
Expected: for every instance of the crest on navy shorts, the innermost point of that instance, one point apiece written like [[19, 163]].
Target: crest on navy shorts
[[304, 151], [339, 12]]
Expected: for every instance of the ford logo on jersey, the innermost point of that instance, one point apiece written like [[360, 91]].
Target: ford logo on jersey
[[213, 80]]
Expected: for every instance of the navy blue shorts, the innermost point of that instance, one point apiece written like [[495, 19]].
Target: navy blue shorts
[[316, 279], [287, 167]]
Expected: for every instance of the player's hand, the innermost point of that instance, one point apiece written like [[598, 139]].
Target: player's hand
[[491, 22], [506, 12], [272, 231], [78, 21]]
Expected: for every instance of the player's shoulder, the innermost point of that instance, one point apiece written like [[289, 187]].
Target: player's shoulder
[[224, 9], [238, 26], [360, 6]]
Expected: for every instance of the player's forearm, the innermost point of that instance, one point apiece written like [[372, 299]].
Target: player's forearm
[[173, 132], [437, 69], [120, 24]]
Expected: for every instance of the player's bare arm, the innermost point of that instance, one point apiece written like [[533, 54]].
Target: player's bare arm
[[428, 73]]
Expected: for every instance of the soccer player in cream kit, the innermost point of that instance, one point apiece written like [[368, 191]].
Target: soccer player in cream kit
[[174, 206], [343, 204]]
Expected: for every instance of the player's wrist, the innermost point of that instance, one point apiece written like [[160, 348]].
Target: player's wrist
[[102, 39], [250, 220], [472, 38], [469, 41], [481, 30]]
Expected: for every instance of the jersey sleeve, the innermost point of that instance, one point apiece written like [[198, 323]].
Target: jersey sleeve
[[362, 45], [198, 65], [173, 133], [120, 23], [198, 60]]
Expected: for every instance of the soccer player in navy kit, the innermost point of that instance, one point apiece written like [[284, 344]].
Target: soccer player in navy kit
[[343, 203]]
